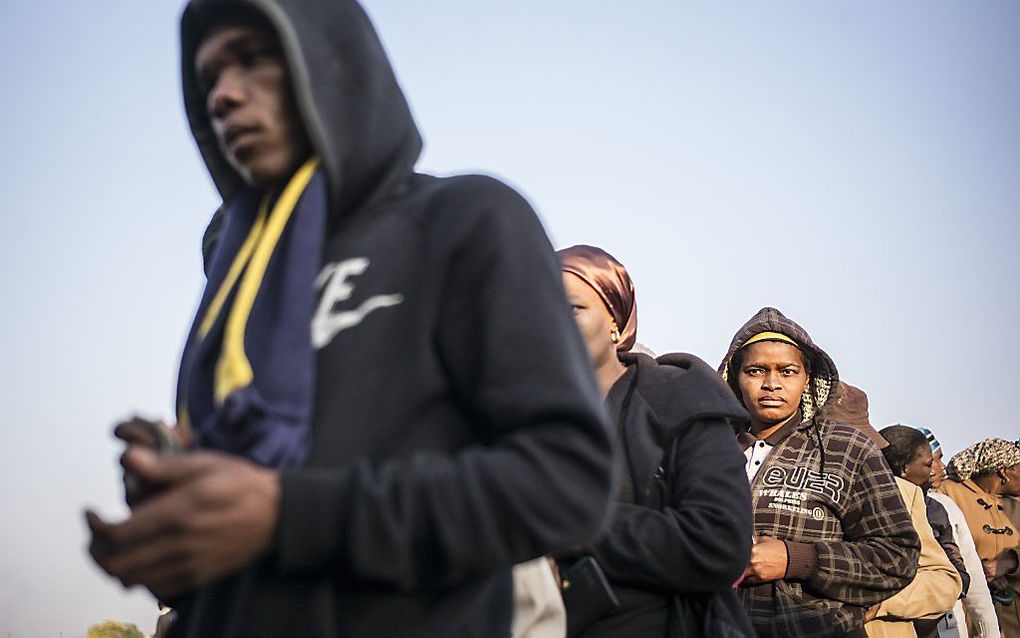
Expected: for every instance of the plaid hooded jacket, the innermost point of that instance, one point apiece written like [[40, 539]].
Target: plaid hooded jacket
[[828, 493]]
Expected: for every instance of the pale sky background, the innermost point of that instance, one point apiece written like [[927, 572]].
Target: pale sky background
[[856, 164]]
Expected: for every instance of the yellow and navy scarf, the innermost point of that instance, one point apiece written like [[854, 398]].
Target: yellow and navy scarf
[[247, 376]]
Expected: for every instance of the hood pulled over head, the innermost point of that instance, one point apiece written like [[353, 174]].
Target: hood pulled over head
[[824, 375], [611, 282], [346, 94]]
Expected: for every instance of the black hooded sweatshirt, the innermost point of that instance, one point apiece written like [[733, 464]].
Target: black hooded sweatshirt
[[455, 433]]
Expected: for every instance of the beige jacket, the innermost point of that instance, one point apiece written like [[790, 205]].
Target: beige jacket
[[934, 589]]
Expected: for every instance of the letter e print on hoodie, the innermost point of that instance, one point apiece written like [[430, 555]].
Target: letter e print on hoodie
[[332, 315]]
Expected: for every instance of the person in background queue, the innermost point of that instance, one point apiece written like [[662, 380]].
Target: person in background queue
[[848, 405], [834, 538], [388, 399], [938, 465], [979, 480], [681, 530], [975, 612], [925, 605], [912, 459]]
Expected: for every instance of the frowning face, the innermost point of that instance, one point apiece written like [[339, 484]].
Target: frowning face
[[919, 470], [1011, 487], [938, 469], [772, 377], [250, 102]]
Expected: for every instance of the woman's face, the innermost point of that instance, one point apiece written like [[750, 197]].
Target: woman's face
[[938, 469], [1012, 485], [592, 317], [772, 378], [919, 471]]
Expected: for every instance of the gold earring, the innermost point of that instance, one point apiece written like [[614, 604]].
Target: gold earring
[[614, 336]]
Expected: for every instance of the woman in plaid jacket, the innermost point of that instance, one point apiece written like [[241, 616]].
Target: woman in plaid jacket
[[833, 538]]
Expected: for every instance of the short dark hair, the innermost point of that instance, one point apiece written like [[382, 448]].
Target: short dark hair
[[904, 442]]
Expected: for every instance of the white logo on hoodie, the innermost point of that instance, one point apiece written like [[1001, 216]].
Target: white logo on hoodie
[[334, 279]]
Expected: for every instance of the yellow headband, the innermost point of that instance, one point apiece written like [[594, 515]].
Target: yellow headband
[[770, 336]]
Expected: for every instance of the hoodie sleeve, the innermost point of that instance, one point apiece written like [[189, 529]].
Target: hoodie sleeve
[[538, 476], [701, 540], [878, 553]]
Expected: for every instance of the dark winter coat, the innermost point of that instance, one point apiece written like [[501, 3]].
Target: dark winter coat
[[685, 528]]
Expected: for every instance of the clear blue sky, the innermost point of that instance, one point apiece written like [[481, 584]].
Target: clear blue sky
[[856, 164]]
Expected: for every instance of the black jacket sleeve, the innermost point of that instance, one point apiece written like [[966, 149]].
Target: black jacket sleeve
[[538, 476], [701, 540], [938, 518]]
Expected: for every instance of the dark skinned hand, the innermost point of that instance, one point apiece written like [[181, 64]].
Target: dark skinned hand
[[1005, 563], [768, 561], [555, 567], [214, 514], [133, 432], [872, 612], [154, 435]]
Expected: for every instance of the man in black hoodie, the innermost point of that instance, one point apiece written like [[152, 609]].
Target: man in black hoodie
[[385, 392]]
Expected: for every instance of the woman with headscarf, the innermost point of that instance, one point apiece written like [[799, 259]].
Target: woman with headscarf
[[680, 534], [833, 536], [925, 607], [980, 480], [978, 619]]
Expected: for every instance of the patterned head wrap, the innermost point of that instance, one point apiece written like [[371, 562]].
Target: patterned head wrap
[[981, 458], [610, 280], [930, 436]]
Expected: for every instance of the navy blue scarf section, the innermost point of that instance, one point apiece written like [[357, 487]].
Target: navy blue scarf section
[[269, 420]]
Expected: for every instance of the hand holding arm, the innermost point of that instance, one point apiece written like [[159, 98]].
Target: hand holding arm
[[768, 562], [1004, 564]]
